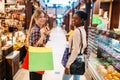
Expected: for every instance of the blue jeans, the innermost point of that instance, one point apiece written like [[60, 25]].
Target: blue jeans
[[67, 77]]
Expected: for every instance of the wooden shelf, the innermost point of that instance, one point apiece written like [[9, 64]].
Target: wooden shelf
[[107, 0], [9, 4]]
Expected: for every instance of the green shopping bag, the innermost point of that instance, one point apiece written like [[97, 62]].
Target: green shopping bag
[[40, 58]]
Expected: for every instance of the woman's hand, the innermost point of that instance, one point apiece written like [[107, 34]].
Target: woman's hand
[[40, 41], [67, 70], [47, 30]]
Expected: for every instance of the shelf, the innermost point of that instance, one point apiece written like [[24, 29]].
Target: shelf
[[106, 1], [92, 51], [118, 50], [91, 36], [92, 42], [91, 27], [10, 4], [2, 18], [109, 34], [109, 51], [92, 46], [95, 40]]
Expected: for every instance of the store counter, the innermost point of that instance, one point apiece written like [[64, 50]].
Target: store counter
[[12, 64]]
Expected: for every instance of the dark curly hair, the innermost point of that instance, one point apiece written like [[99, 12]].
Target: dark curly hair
[[82, 15]]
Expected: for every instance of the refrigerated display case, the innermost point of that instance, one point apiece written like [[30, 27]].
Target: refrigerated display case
[[106, 47], [109, 48], [92, 42]]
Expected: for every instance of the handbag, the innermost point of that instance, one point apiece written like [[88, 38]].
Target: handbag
[[78, 66], [65, 57]]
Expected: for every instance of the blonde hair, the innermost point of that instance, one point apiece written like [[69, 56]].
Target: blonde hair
[[35, 15]]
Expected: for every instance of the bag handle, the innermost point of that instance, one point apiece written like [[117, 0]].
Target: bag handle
[[81, 42]]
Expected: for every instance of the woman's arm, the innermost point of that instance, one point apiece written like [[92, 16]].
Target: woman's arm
[[75, 48]]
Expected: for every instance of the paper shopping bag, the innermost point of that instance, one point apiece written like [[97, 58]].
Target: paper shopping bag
[[40, 58]]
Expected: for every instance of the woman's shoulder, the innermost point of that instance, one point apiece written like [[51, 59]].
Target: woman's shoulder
[[76, 31]]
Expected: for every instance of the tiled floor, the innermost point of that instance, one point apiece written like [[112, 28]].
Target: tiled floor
[[58, 43]]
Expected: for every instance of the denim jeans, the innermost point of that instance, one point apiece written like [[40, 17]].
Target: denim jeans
[[67, 77]]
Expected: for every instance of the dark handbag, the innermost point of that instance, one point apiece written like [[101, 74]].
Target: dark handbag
[[78, 66]]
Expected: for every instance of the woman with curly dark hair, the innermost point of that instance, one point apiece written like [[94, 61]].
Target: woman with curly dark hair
[[75, 42]]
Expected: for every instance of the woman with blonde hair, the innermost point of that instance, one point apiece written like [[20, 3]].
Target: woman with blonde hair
[[36, 36], [38, 24]]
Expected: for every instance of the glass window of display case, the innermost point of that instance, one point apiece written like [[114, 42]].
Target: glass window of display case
[[116, 44], [109, 45], [106, 66]]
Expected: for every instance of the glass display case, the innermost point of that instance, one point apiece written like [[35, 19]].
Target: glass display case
[[106, 64], [109, 48], [92, 42]]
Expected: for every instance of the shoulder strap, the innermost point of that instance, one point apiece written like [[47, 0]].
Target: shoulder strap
[[81, 41]]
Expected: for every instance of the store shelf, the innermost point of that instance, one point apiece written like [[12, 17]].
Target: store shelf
[[116, 49], [92, 43], [93, 51], [93, 34], [110, 51], [10, 4], [92, 46], [90, 36]]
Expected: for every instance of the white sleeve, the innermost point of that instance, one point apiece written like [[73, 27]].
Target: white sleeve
[[75, 48]]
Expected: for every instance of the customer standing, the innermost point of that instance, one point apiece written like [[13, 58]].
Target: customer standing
[[75, 42], [36, 37]]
